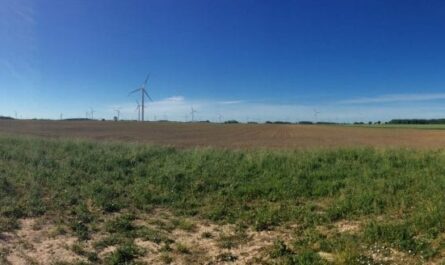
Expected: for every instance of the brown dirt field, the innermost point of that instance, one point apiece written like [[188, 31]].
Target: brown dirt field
[[231, 135]]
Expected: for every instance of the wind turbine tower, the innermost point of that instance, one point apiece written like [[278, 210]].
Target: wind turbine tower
[[138, 109], [143, 90], [92, 113], [316, 112], [118, 112], [192, 112]]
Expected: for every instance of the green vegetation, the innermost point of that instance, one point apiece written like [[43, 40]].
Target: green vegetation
[[125, 254], [397, 196], [417, 121]]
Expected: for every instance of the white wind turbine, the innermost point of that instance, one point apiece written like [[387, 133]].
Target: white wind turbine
[[138, 109], [92, 113], [316, 112], [143, 90], [192, 112], [118, 112]]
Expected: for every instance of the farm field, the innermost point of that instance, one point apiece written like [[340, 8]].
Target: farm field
[[267, 197], [235, 135]]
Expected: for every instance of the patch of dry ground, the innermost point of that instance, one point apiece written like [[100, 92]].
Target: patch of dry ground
[[201, 242], [194, 241], [230, 135], [34, 243]]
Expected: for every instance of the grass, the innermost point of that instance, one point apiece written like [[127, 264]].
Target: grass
[[396, 194]]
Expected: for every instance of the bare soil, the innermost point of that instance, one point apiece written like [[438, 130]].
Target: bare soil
[[231, 135], [35, 242]]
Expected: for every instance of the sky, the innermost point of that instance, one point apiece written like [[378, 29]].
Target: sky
[[320, 60]]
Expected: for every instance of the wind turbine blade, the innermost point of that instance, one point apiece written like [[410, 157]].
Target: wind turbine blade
[[134, 91], [146, 79], [145, 92]]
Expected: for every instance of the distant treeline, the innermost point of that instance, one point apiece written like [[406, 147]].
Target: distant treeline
[[5, 118], [77, 119], [417, 121]]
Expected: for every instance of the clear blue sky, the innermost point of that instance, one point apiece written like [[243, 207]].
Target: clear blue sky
[[252, 60]]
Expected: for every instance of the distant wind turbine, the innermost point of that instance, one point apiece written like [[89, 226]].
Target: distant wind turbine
[[118, 112], [219, 117], [138, 109], [316, 115], [143, 90], [192, 112], [92, 113]]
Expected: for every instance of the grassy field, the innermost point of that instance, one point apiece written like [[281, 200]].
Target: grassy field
[[83, 202]]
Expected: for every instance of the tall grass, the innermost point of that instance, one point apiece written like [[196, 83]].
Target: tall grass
[[398, 194]]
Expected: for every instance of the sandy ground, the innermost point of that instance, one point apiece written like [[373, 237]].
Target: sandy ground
[[231, 135], [35, 242]]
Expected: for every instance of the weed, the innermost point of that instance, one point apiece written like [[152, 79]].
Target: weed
[[125, 254], [153, 235], [81, 251], [184, 224], [181, 248], [122, 224], [166, 258]]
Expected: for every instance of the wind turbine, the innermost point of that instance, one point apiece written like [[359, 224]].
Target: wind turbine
[[144, 93], [138, 109], [219, 117], [192, 112], [118, 112], [316, 112], [92, 113]]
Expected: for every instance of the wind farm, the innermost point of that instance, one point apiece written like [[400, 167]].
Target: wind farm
[[222, 132]]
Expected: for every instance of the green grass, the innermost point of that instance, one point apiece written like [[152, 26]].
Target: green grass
[[398, 195]]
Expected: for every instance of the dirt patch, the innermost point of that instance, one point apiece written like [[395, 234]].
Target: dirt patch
[[347, 226], [177, 240], [33, 244], [192, 241], [209, 243]]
